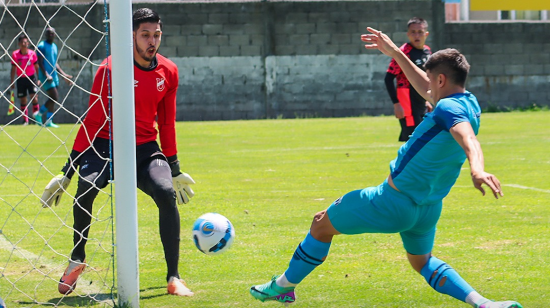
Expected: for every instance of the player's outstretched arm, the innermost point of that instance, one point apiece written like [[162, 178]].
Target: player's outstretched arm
[[418, 78], [465, 136], [181, 181]]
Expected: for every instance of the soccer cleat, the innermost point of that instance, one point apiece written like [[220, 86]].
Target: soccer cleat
[[178, 287], [270, 291], [49, 123], [38, 117], [506, 304], [67, 283]]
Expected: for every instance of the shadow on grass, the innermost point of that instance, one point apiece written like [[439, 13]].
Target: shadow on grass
[[100, 300], [97, 300]]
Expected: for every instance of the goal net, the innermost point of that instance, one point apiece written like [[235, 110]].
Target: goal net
[[36, 242]]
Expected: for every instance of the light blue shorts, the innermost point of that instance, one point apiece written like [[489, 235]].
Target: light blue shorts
[[382, 209], [46, 85]]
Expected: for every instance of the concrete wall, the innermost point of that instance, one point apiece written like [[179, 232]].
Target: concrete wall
[[293, 59], [510, 61]]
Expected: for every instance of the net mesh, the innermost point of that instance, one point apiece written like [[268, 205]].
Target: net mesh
[[36, 242]]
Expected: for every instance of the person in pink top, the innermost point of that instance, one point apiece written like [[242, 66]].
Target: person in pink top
[[24, 65]]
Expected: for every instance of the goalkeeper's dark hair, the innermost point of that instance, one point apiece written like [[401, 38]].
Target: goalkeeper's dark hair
[[451, 63], [144, 15]]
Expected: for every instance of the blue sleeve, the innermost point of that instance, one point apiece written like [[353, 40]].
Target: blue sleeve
[[41, 51], [449, 112]]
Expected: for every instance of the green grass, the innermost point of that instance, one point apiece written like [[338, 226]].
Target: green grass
[[269, 178]]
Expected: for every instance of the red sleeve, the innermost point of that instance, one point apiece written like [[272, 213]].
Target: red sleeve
[[95, 120], [167, 116], [34, 58], [13, 55], [394, 67]]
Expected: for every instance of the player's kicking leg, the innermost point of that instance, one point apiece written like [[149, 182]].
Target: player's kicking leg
[[444, 279], [311, 253]]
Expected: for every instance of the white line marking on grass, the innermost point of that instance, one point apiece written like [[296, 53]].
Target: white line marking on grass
[[361, 147], [527, 187], [25, 254], [511, 185]]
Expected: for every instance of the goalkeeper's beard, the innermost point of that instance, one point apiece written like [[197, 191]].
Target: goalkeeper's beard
[[143, 53]]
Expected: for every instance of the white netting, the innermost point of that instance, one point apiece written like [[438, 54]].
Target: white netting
[[36, 242]]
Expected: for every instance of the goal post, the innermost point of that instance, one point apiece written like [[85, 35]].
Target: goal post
[[124, 140]]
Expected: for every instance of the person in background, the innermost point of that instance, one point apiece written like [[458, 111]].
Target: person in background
[[48, 76], [24, 65], [409, 106]]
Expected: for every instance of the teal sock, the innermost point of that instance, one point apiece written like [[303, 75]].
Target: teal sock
[[49, 116], [444, 279], [308, 255]]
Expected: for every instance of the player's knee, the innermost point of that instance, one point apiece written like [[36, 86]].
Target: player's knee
[[321, 227], [164, 196]]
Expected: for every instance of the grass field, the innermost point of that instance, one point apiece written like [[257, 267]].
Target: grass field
[[269, 177]]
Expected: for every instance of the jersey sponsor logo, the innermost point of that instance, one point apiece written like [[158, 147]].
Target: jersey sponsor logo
[[160, 84], [135, 83]]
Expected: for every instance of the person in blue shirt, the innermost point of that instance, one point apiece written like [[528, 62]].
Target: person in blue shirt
[[47, 74], [409, 201]]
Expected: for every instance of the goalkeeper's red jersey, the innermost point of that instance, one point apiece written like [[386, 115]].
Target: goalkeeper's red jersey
[[155, 106]]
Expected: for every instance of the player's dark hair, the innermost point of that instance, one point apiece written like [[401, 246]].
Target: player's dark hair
[[417, 20], [21, 37], [144, 15], [451, 63]]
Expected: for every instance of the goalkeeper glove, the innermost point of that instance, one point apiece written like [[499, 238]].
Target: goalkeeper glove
[[181, 181], [58, 185], [54, 190]]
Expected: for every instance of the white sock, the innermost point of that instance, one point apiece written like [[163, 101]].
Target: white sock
[[475, 299], [284, 283]]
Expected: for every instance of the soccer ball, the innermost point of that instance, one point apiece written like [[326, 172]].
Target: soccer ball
[[213, 233]]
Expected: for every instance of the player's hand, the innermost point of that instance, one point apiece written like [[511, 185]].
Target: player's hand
[[49, 77], [489, 180], [398, 110], [380, 41], [181, 186], [54, 190]]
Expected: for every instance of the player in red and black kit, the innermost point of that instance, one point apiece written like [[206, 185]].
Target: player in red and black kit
[[158, 172], [409, 106]]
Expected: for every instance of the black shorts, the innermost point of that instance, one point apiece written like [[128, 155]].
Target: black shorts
[[94, 163], [26, 85]]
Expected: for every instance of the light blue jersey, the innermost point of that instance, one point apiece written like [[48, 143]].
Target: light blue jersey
[[428, 165], [49, 53]]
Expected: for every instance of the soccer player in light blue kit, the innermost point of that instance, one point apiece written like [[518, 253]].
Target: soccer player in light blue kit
[[47, 74], [409, 202]]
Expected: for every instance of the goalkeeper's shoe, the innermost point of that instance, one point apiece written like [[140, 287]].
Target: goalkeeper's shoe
[[178, 287], [67, 283], [270, 291], [506, 304]]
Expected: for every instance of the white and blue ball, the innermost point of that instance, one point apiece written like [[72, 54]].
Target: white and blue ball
[[213, 233]]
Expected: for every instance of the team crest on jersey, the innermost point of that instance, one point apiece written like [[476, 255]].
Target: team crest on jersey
[[160, 84]]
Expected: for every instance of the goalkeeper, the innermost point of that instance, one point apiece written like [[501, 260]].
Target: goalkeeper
[[158, 171]]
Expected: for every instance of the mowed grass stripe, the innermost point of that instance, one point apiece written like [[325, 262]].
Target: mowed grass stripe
[[269, 177]]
